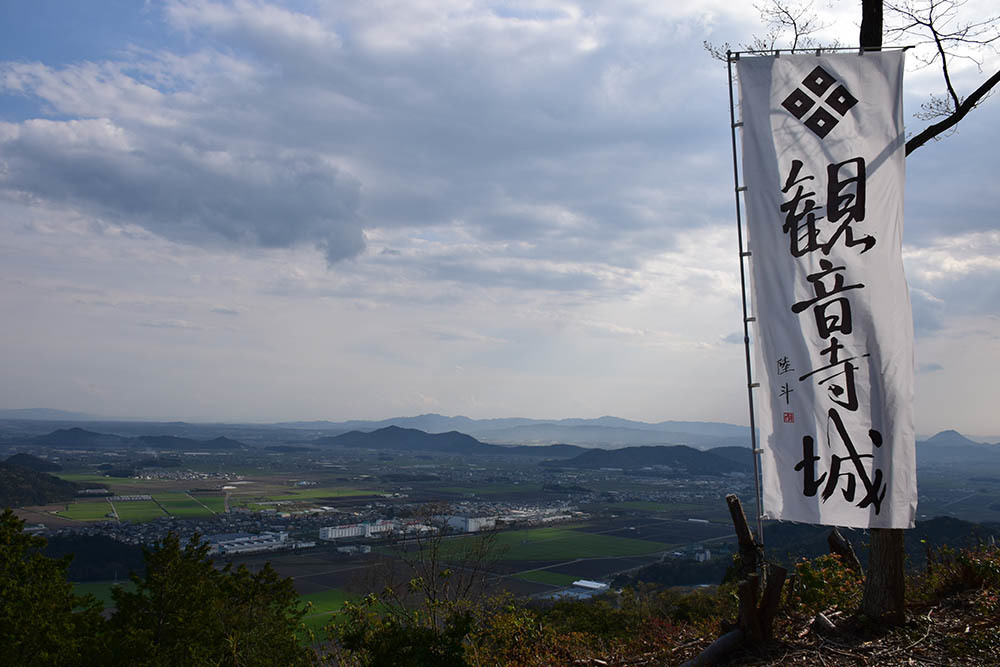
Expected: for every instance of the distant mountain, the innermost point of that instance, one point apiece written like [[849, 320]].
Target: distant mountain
[[47, 414], [951, 448], [78, 438], [22, 486], [410, 439], [600, 432], [33, 463], [952, 438], [597, 435], [453, 442], [431, 423], [679, 458]]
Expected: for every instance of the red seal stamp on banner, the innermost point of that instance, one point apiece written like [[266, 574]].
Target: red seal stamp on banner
[[789, 417]]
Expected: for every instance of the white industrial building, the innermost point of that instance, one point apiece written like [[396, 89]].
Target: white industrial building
[[241, 543], [373, 529], [468, 524], [368, 529]]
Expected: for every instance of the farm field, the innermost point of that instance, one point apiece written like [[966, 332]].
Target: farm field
[[87, 510], [138, 510], [657, 529], [558, 544], [216, 504], [182, 505]]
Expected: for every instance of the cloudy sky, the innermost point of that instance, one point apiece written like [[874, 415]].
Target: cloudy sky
[[250, 210]]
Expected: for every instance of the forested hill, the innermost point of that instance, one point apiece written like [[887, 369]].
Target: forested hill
[[33, 463], [21, 486]]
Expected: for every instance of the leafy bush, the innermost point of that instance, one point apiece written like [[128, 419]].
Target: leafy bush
[[823, 583]]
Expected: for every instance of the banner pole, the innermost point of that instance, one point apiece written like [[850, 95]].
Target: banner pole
[[733, 125]]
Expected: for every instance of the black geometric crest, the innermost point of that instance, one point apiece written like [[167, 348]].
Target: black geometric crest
[[821, 121]]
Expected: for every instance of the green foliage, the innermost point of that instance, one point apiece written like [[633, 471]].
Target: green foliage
[[824, 583], [185, 612], [430, 600], [611, 617], [515, 635], [42, 622], [374, 635], [951, 571]]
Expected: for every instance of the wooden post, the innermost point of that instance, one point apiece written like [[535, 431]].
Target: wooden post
[[756, 610], [748, 546], [770, 600], [747, 618]]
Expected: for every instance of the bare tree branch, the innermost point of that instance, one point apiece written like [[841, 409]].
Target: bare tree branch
[[937, 24], [934, 131]]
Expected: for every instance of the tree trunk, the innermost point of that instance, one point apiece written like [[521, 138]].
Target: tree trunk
[[871, 24], [885, 584]]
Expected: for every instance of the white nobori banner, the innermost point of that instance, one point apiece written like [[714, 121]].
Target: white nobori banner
[[823, 151]]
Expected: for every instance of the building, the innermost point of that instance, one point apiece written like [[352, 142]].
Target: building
[[468, 524], [369, 529], [242, 543]]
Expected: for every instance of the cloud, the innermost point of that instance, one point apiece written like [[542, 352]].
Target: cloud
[[274, 128], [169, 324], [735, 338], [928, 312], [182, 192]]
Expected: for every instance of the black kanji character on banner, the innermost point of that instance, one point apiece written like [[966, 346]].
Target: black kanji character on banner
[[835, 314], [784, 366], [874, 486], [803, 237], [842, 392], [845, 198]]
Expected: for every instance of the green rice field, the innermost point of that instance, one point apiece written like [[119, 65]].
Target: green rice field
[[87, 510], [551, 544], [547, 577], [138, 510], [182, 505], [215, 503]]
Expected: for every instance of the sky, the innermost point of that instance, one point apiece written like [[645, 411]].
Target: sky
[[264, 211]]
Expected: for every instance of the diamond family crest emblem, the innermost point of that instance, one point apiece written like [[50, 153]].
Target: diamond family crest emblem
[[799, 103]]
